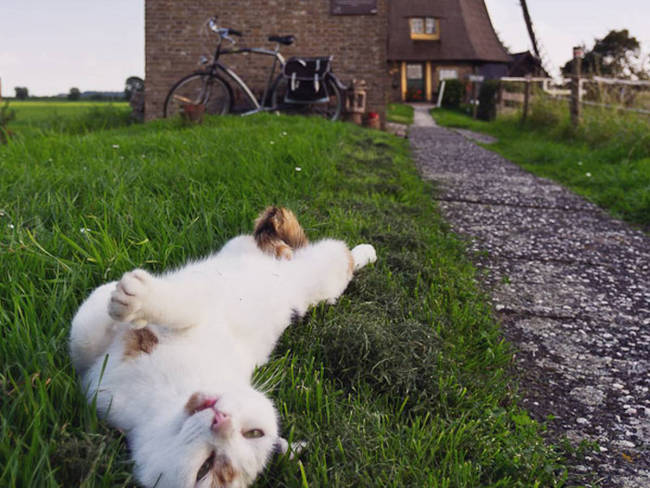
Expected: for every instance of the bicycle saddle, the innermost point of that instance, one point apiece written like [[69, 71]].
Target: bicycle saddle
[[286, 40]]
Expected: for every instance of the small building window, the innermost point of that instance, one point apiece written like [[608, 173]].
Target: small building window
[[425, 28], [448, 74]]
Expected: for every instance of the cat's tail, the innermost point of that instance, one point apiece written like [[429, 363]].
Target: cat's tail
[[277, 232]]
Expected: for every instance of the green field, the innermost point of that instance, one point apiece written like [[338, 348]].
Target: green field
[[404, 382], [607, 160], [35, 117]]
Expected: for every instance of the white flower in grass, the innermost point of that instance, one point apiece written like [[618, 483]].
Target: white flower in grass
[[2, 213], [116, 146], [588, 175], [271, 142], [284, 133], [84, 230], [298, 168], [579, 163], [11, 226]]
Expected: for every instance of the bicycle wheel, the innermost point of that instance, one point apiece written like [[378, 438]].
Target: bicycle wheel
[[210, 91], [331, 109]]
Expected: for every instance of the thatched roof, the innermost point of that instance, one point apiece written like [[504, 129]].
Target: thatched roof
[[466, 33]]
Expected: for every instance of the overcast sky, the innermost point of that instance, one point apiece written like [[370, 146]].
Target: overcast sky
[[50, 46], [561, 24]]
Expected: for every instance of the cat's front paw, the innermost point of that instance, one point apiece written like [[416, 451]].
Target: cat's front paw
[[129, 297], [363, 254]]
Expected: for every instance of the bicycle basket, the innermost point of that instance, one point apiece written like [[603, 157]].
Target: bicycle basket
[[306, 79]]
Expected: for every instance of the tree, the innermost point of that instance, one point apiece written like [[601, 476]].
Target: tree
[[21, 92], [616, 55], [133, 84], [74, 94]]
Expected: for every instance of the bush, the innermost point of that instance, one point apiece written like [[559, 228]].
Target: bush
[[546, 113], [487, 106], [454, 93]]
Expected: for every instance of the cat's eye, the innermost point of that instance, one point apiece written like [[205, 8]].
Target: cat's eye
[[205, 467], [253, 434]]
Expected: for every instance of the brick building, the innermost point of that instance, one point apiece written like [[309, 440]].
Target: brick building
[[357, 41], [394, 45]]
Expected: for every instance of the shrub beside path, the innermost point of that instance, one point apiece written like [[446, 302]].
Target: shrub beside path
[[571, 287]]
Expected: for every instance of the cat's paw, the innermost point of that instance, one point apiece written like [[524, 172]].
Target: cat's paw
[[129, 297], [363, 254]]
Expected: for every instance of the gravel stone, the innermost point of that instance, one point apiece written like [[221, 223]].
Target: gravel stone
[[571, 287]]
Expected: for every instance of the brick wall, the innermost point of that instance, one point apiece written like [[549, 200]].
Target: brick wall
[[173, 44]]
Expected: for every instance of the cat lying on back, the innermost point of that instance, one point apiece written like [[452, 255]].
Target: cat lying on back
[[170, 357]]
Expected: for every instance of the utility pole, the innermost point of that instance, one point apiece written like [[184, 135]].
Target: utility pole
[[529, 27]]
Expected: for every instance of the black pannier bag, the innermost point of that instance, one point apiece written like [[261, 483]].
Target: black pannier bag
[[306, 79]]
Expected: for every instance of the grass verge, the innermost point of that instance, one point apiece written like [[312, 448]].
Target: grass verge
[[607, 160], [399, 113], [402, 383]]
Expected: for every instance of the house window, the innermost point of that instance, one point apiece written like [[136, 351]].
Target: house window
[[448, 74], [425, 28]]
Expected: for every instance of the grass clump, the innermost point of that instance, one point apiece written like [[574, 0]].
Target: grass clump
[[399, 113], [402, 383], [606, 159]]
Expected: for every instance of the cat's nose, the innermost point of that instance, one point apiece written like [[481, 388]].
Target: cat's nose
[[220, 422]]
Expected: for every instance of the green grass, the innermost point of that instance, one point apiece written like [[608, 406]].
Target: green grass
[[607, 160], [36, 118], [399, 113], [404, 382]]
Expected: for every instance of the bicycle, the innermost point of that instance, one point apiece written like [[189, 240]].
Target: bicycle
[[304, 85]]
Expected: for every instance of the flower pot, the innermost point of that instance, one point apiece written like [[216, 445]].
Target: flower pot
[[193, 112]]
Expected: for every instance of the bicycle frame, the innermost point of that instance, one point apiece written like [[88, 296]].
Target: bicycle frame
[[226, 78], [259, 105]]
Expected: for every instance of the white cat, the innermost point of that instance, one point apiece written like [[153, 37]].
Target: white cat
[[169, 358]]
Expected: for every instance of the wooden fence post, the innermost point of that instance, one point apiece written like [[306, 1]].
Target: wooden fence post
[[524, 114], [575, 86], [500, 101]]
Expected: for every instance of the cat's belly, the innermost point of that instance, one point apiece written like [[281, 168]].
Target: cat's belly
[[168, 369]]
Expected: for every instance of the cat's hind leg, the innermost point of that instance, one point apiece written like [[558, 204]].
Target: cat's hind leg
[[324, 269], [362, 255], [92, 329]]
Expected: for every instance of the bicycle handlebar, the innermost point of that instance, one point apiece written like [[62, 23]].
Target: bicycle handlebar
[[222, 31]]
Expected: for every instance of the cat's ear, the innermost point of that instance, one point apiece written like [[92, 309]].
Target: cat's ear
[[281, 446]]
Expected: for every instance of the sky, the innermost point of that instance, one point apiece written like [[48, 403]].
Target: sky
[[50, 46], [561, 24]]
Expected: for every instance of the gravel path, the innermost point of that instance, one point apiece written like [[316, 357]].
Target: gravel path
[[571, 287]]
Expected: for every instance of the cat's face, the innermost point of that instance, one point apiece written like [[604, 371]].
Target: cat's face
[[220, 441]]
